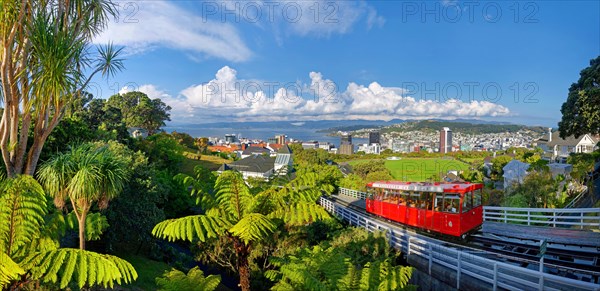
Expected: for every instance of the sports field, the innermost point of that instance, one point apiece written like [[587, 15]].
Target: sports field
[[420, 169]]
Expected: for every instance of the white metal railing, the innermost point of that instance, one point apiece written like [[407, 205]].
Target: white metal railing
[[354, 193], [554, 217], [495, 273]]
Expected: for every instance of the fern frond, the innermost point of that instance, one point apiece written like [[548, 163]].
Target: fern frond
[[176, 280], [300, 213], [22, 210], [9, 270], [66, 265], [95, 224], [253, 227], [202, 227], [233, 194]]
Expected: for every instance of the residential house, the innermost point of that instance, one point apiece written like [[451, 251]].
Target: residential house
[[514, 172], [558, 149], [262, 166]]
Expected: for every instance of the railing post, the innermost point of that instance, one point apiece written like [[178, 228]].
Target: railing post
[[505, 216], [581, 226], [430, 257], [495, 284], [528, 217], [458, 272], [408, 252], [553, 218], [541, 287]]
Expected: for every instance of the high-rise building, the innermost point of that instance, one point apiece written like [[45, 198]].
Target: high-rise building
[[280, 138], [445, 140], [346, 149], [374, 137], [346, 138], [346, 146], [230, 138]]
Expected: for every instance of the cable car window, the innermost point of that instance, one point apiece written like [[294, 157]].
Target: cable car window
[[403, 198], [425, 200], [413, 200], [467, 201], [394, 196], [439, 202], [477, 198], [451, 203]]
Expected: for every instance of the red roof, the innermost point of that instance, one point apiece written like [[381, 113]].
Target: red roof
[[223, 149]]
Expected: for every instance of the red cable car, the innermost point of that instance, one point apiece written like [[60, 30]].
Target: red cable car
[[448, 208]]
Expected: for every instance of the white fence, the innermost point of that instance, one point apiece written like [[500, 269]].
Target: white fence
[[559, 217], [353, 193], [495, 273]]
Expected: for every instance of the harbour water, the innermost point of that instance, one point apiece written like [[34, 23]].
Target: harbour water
[[296, 132]]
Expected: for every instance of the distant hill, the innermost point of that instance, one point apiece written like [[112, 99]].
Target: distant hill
[[462, 127]]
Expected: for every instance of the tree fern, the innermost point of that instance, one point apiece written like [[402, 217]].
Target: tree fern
[[65, 265], [385, 276], [300, 213], [252, 227], [233, 194], [22, 210], [176, 280], [9, 270], [189, 228]]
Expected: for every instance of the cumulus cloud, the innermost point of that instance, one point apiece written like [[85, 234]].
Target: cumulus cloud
[[226, 97], [145, 25]]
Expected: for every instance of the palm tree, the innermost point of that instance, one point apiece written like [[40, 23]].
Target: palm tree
[[233, 213], [46, 63], [84, 175]]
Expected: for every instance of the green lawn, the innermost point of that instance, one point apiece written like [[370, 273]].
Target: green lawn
[[419, 169], [210, 162]]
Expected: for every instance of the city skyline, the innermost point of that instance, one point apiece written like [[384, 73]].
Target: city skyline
[[502, 61]]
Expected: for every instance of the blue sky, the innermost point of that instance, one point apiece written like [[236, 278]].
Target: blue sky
[[309, 60]]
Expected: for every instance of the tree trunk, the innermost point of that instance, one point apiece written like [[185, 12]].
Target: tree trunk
[[81, 221], [243, 251]]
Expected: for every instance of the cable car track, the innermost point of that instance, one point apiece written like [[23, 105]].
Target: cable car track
[[561, 260]]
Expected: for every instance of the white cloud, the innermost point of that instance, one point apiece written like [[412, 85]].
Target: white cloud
[[228, 98], [151, 24]]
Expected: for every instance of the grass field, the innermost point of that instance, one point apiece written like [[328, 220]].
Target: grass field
[[210, 162], [419, 169]]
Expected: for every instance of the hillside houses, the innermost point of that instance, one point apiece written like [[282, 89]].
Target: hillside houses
[[558, 149]]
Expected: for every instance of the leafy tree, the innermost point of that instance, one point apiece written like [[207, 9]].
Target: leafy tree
[[202, 144], [581, 111], [538, 189], [498, 164], [46, 64], [365, 168], [379, 176], [85, 175], [176, 280], [138, 110], [353, 181], [583, 163], [164, 151], [184, 139], [232, 213]]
